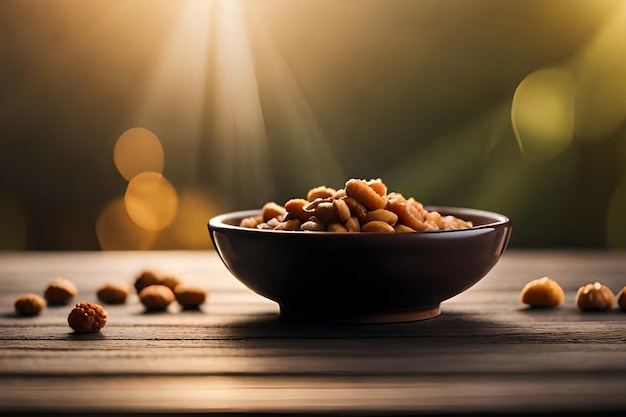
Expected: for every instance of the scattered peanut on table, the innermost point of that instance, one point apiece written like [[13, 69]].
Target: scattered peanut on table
[[87, 317], [29, 304], [113, 293], [189, 297], [542, 292], [145, 279], [156, 297], [595, 297], [60, 292]]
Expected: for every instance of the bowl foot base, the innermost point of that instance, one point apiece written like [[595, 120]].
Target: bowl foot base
[[366, 318]]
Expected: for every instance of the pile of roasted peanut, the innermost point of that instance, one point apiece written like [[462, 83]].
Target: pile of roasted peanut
[[85, 317], [361, 206], [155, 293]]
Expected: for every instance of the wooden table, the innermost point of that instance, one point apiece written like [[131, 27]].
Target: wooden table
[[486, 353]]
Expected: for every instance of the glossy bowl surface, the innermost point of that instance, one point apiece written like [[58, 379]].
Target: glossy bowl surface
[[361, 277]]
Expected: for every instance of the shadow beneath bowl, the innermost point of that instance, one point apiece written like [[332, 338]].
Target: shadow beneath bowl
[[306, 316], [447, 329]]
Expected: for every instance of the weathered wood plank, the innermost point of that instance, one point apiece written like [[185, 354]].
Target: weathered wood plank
[[486, 353], [373, 359], [417, 395]]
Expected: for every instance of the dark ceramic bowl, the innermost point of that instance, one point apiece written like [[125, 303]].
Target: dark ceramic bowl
[[361, 277]]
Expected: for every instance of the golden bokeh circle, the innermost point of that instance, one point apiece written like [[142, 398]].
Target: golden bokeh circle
[[138, 150], [151, 201], [542, 113]]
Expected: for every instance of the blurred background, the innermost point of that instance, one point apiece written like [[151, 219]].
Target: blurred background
[[127, 124]]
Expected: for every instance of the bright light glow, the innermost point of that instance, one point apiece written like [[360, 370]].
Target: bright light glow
[[116, 231], [307, 144], [542, 113], [174, 104], [475, 141], [239, 127], [601, 81], [138, 150], [209, 40], [151, 201], [189, 228], [205, 89]]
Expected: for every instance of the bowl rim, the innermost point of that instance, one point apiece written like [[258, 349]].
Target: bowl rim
[[219, 222]]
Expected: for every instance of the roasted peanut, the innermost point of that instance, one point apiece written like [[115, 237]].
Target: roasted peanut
[[379, 186], [365, 194], [353, 225], [434, 217], [407, 214], [293, 224], [595, 297], [357, 209], [112, 293], [454, 223], [251, 222], [156, 297], [87, 318], [190, 297], [382, 215], [342, 209], [272, 210], [326, 212], [60, 292], [337, 227], [145, 279], [377, 226], [310, 208], [542, 292], [401, 228], [29, 304], [340, 193], [419, 207], [296, 209], [263, 226], [270, 224], [320, 192], [313, 225], [430, 226]]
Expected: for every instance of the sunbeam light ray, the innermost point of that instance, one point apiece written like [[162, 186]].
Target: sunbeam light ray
[[174, 102], [304, 147], [239, 128]]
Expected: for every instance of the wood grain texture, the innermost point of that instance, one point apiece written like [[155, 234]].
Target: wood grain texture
[[486, 353]]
